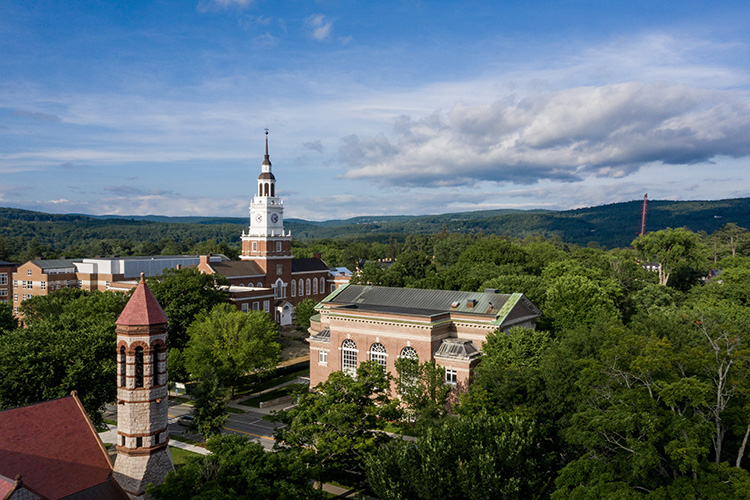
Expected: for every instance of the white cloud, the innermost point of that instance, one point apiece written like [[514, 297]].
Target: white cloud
[[567, 135], [320, 28], [205, 5]]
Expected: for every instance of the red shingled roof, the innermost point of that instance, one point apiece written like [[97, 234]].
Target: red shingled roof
[[142, 308], [54, 448]]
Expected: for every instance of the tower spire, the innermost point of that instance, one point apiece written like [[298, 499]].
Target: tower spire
[[266, 158]]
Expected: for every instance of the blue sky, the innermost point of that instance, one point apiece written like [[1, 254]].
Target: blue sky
[[389, 107]]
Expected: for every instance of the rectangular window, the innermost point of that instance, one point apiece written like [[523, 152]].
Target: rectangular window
[[255, 246], [15, 283], [28, 272], [15, 297], [3, 292], [67, 283], [278, 246], [43, 284], [256, 306], [266, 306], [3, 278], [279, 269], [139, 442], [322, 357], [15, 310], [451, 377], [245, 307]]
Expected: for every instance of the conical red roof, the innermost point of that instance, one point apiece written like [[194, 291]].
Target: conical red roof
[[142, 308]]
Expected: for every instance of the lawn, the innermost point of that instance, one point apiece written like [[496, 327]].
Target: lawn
[[180, 456], [254, 383], [268, 396]]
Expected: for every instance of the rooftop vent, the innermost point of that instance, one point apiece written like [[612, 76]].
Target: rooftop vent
[[471, 303], [454, 304]]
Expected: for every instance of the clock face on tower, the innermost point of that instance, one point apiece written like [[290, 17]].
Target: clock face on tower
[[274, 218], [259, 217]]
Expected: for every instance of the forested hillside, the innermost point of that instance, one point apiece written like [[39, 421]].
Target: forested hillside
[[26, 234]]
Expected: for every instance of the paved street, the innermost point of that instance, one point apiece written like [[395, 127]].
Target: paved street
[[249, 424]]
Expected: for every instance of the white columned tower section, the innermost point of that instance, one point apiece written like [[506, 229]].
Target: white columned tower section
[[142, 410], [266, 237]]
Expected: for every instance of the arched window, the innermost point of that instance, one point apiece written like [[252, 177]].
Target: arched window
[[294, 288], [123, 366], [260, 285], [266, 189], [409, 352], [315, 286], [322, 285], [301, 288], [377, 353], [160, 377], [307, 286], [139, 366], [273, 190], [260, 189], [349, 357]]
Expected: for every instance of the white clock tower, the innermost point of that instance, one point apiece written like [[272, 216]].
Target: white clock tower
[[265, 239]]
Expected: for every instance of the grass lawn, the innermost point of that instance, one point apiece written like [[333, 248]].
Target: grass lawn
[[183, 439], [181, 400], [278, 393], [108, 421], [252, 384], [180, 456]]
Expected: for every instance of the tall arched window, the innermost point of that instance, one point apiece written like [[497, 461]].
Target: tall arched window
[[322, 285], [123, 366], [139, 366], [349, 357], [315, 285], [294, 288], [377, 353], [161, 365], [273, 190], [409, 352], [301, 288], [307, 286]]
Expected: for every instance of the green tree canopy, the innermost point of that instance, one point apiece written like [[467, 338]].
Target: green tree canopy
[[231, 343], [237, 469], [480, 457], [183, 294], [672, 250], [303, 312], [72, 349], [335, 427]]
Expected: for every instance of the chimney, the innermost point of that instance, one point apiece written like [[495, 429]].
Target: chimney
[[38, 257], [205, 259], [470, 303], [316, 255]]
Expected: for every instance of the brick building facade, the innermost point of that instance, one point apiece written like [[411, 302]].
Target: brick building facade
[[359, 322]]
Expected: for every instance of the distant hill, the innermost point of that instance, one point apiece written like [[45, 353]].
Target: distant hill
[[613, 225]]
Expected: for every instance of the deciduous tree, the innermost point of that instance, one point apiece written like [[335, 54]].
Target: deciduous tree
[[231, 343]]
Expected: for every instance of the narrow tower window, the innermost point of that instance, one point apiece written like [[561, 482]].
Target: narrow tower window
[[273, 189], [139, 366], [123, 366]]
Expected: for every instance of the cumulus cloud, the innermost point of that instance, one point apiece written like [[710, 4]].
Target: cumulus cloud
[[320, 27], [568, 135], [315, 145]]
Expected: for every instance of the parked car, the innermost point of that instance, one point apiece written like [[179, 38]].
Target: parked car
[[186, 420]]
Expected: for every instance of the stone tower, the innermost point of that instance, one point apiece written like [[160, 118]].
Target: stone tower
[[142, 420]]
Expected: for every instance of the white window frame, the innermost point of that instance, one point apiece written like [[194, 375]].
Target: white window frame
[[307, 286], [323, 358], [315, 286], [451, 376], [278, 246], [28, 272], [256, 306], [322, 286], [378, 354], [255, 246], [3, 278], [294, 288], [266, 305], [349, 357], [245, 307]]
